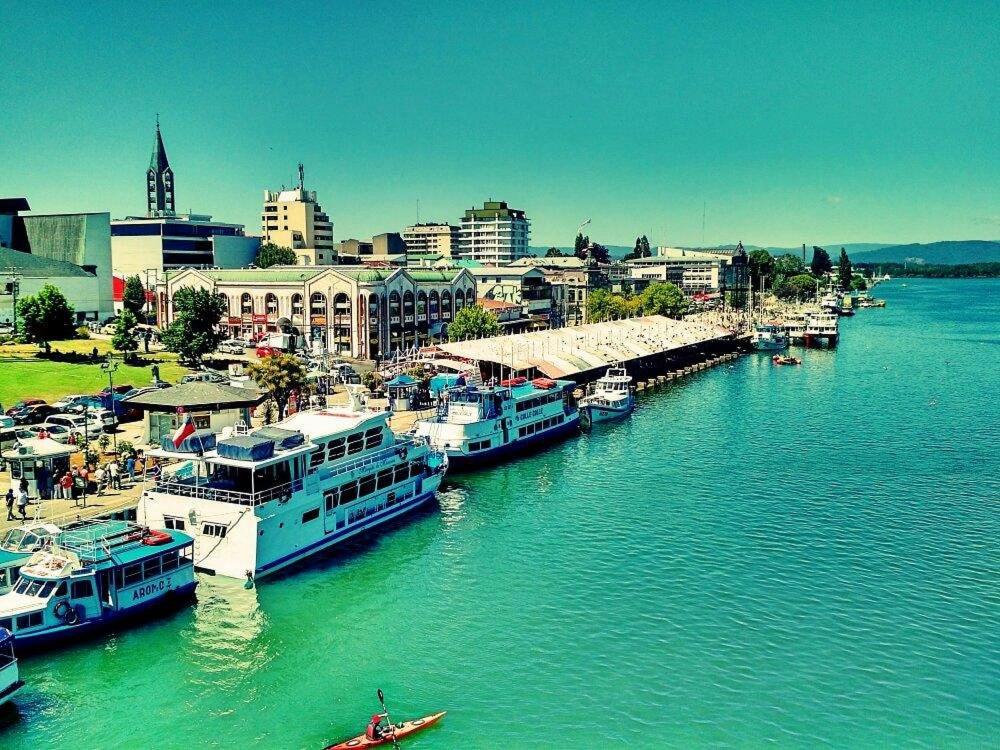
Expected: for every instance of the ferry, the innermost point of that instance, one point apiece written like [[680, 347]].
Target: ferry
[[17, 545], [93, 574], [10, 681], [821, 328], [613, 397], [479, 424], [256, 501], [769, 337]]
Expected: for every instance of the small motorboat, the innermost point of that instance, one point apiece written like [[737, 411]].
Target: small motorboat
[[398, 732], [779, 359]]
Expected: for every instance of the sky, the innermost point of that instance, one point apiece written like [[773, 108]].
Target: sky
[[693, 123]]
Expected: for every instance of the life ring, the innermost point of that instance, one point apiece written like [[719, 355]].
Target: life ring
[[72, 617], [62, 609], [156, 538]]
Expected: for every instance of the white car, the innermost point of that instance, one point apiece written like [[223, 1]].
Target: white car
[[56, 432], [232, 346], [67, 401], [89, 424]]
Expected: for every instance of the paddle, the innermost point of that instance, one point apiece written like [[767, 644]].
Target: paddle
[[392, 727]]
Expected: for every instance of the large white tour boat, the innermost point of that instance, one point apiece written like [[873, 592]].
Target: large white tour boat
[[613, 397], [478, 424], [259, 500]]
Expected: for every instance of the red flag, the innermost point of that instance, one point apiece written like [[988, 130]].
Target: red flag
[[184, 431]]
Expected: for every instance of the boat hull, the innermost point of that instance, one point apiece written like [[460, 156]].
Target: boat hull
[[594, 414], [464, 462], [770, 345], [403, 729]]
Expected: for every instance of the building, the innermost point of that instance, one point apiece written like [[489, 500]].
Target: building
[[494, 234], [508, 314], [145, 246], [70, 251], [432, 237], [388, 243], [387, 247], [691, 270], [572, 280], [294, 219], [159, 180], [520, 285], [350, 310]]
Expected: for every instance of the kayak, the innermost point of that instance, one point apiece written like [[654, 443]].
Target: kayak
[[403, 729]]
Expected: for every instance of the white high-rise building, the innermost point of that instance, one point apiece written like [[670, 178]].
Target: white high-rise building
[[433, 237], [494, 235]]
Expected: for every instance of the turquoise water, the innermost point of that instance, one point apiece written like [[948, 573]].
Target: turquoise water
[[762, 556]]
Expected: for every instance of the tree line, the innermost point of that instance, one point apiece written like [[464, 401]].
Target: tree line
[[936, 271]]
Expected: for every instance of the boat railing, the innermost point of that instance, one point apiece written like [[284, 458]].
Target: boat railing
[[203, 489], [403, 442]]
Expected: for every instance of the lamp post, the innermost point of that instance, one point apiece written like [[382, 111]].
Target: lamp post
[[111, 367]]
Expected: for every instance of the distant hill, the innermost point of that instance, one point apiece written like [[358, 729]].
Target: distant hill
[[940, 253]]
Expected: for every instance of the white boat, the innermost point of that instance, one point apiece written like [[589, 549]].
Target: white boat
[[10, 681], [613, 397], [769, 337], [822, 328], [17, 545], [478, 425], [260, 500]]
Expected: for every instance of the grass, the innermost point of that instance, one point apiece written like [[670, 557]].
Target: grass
[[39, 378]]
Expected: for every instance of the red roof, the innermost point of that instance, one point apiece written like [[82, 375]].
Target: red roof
[[495, 304], [118, 290]]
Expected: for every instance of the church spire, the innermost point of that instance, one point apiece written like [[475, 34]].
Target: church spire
[[159, 180]]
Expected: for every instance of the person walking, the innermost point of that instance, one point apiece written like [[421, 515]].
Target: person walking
[[10, 503], [22, 504], [113, 476], [66, 482], [130, 469], [99, 476]]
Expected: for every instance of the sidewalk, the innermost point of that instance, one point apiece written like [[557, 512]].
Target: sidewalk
[[62, 512]]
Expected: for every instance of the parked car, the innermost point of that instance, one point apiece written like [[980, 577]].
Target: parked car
[[57, 432], [67, 402], [34, 414], [203, 377], [118, 389], [267, 351], [232, 346], [24, 404], [85, 424]]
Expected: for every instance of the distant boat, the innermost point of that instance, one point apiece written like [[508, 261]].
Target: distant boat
[[769, 338], [612, 397]]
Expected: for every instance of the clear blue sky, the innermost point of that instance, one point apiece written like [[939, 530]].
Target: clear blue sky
[[792, 122]]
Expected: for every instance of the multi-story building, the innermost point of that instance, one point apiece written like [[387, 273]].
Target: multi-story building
[[572, 280], [294, 219], [432, 238], [691, 270], [70, 251], [520, 285], [163, 239], [493, 235], [350, 310]]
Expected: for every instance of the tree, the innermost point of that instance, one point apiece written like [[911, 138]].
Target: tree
[[645, 247], [798, 287], [134, 295], [859, 283], [280, 375], [580, 246], [124, 339], [788, 265], [194, 331], [46, 316], [661, 298], [761, 265], [473, 322], [604, 305], [274, 255], [821, 263], [555, 252], [845, 273], [598, 253]]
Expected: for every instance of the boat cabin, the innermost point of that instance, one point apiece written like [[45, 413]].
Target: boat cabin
[[39, 461], [17, 545]]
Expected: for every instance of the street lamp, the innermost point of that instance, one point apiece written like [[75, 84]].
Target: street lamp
[[111, 367]]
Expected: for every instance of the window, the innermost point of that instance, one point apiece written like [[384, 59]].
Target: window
[[337, 450], [296, 304], [132, 574], [81, 590], [330, 498], [46, 590], [151, 568], [187, 555], [373, 438], [401, 473], [416, 469], [316, 458], [170, 522], [384, 479], [355, 443], [348, 493], [29, 621], [310, 515], [246, 304], [480, 445], [214, 529], [271, 304], [61, 591], [367, 485], [169, 561]]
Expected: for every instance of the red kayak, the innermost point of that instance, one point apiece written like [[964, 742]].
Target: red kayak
[[403, 729]]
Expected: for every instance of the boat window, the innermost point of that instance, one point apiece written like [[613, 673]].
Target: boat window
[[214, 529], [384, 478], [46, 590], [338, 449], [22, 586], [81, 590], [151, 567], [316, 458], [7, 623], [29, 621], [132, 574], [348, 493], [401, 474], [367, 485], [310, 515], [416, 469], [33, 588], [330, 496], [187, 554], [373, 438], [169, 560], [170, 522], [355, 443]]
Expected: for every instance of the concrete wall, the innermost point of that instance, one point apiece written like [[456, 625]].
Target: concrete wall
[[83, 293], [234, 252]]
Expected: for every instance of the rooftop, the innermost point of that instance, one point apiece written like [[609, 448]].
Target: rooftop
[[36, 267], [197, 395]]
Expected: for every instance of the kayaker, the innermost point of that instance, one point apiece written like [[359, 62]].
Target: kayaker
[[375, 730]]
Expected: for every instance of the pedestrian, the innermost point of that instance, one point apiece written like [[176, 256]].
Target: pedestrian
[[10, 503], [114, 477], [99, 478], [130, 469], [66, 482], [22, 504], [23, 485]]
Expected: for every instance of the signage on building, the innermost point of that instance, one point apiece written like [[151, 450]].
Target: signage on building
[[259, 318], [234, 321], [317, 320]]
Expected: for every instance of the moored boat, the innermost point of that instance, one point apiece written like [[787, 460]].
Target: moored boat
[[778, 359], [394, 733], [94, 574], [769, 337], [10, 680], [17, 545], [612, 398], [479, 425]]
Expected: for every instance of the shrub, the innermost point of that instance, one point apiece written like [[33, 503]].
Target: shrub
[[125, 448], [83, 332]]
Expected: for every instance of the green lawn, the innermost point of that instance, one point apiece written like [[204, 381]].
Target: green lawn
[[50, 380]]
